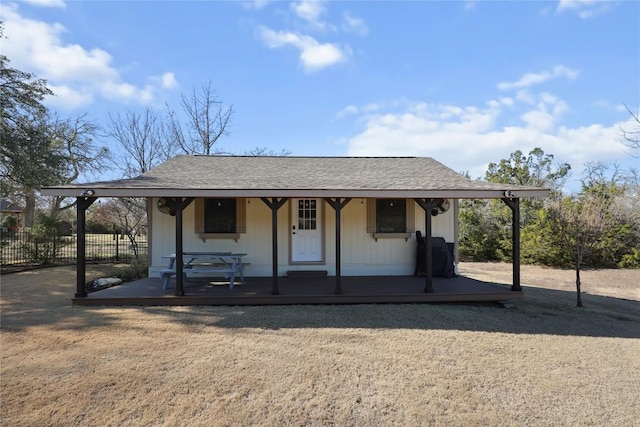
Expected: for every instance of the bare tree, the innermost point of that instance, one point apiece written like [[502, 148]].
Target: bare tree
[[264, 151], [144, 138], [632, 136], [626, 206], [127, 216], [206, 121], [75, 140], [581, 221]]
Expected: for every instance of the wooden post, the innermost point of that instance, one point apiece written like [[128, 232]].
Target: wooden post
[[178, 205], [428, 231], [338, 209], [428, 205], [82, 205], [337, 206], [179, 250], [274, 204], [514, 205]]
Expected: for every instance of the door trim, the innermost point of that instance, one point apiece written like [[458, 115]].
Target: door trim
[[322, 222]]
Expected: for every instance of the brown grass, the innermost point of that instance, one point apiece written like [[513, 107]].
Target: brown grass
[[542, 362]]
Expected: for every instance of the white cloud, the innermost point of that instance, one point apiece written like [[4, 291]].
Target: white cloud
[[347, 111], [75, 74], [547, 112], [256, 4], [47, 3], [499, 102], [169, 81], [354, 25], [314, 56], [584, 8], [468, 138], [470, 4], [531, 79], [311, 11], [69, 98]]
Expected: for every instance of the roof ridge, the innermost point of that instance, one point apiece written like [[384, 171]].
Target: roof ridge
[[305, 157]]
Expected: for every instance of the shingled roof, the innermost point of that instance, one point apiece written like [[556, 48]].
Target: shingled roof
[[288, 176]]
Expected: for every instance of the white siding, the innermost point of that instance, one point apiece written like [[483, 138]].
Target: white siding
[[361, 253]]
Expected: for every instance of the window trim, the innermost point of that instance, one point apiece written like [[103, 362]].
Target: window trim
[[241, 219], [409, 221]]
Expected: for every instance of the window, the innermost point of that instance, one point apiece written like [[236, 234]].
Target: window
[[390, 218], [307, 214], [391, 215], [220, 215], [220, 218]]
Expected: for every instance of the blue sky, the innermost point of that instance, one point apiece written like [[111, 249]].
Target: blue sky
[[465, 82]]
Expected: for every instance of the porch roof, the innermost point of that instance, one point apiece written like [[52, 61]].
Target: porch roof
[[288, 176]]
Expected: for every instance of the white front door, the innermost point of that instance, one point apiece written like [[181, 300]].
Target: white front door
[[306, 230]]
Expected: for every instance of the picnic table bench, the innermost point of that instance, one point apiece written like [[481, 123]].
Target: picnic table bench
[[212, 263]]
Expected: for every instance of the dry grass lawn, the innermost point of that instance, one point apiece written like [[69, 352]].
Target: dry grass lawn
[[542, 362]]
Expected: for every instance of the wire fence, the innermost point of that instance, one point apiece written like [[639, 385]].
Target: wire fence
[[21, 248]]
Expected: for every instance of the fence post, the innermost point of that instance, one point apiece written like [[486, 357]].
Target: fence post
[[117, 248], [55, 246]]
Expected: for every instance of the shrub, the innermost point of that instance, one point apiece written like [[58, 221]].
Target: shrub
[[43, 242]]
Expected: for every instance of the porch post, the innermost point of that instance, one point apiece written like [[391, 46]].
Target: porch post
[[274, 204], [514, 205], [82, 205], [428, 231], [178, 205], [428, 205], [337, 206]]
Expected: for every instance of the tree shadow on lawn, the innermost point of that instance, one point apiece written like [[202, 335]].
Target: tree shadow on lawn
[[40, 297], [542, 311]]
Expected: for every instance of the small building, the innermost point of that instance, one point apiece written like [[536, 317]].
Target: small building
[[64, 228], [11, 213], [345, 216]]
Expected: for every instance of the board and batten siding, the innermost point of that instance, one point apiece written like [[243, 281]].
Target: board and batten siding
[[361, 253]]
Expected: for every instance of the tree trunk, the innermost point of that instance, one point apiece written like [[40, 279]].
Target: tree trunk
[[29, 208], [579, 300], [134, 244]]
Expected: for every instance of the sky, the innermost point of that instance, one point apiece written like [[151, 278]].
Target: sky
[[464, 82]]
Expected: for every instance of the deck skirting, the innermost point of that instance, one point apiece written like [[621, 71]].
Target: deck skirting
[[301, 290]]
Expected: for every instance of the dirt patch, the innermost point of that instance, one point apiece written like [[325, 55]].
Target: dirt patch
[[542, 362]]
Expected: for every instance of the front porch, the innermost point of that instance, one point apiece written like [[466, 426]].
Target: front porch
[[301, 290]]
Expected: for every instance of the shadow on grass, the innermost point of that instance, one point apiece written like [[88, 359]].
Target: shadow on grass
[[37, 300], [543, 311]]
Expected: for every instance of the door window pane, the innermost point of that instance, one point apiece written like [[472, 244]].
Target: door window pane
[[307, 214]]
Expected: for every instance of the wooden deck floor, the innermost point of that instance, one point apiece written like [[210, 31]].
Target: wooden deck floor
[[301, 290]]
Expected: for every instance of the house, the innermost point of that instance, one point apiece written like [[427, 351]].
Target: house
[[346, 216], [11, 215]]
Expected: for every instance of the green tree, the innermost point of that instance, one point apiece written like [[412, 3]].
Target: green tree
[[38, 148], [43, 243], [537, 169], [28, 158], [619, 194], [486, 225]]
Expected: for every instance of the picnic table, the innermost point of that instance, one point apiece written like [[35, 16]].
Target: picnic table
[[228, 263]]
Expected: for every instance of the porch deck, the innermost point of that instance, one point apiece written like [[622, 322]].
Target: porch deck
[[301, 290]]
